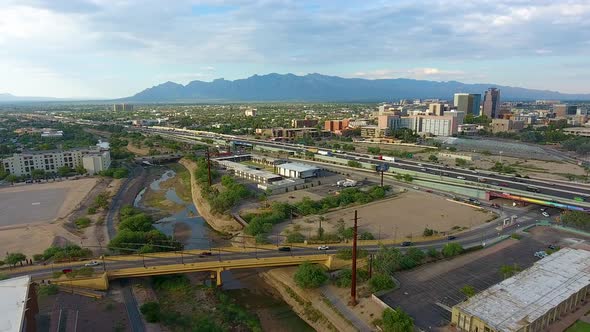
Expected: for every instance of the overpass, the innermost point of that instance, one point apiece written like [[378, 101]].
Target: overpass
[[101, 281], [551, 203], [157, 159]]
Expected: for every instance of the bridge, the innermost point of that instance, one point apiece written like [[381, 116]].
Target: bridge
[[157, 159], [551, 203], [101, 281]]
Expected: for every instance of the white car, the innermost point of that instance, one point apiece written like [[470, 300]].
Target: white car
[[540, 254], [461, 177], [545, 214], [323, 248], [416, 188], [92, 263]]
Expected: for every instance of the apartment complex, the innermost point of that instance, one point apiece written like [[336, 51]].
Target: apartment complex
[[424, 124], [491, 103], [468, 103], [93, 160], [531, 300], [304, 123], [289, 133], [250, 112], [122, 107]]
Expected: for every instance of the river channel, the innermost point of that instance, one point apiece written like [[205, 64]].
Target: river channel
[[188, 227]]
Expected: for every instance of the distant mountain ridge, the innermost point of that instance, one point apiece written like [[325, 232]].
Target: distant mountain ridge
[[322, 88], [7, 97]]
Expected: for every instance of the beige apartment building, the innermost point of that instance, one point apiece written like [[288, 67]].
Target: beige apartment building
[[93, 160]]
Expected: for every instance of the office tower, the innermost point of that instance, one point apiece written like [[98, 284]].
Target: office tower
[[436, 109], [491, 103]]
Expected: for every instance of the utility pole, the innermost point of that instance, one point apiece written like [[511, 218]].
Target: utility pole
[[381, 178], [209, 166], [370, 266], [353, 302]]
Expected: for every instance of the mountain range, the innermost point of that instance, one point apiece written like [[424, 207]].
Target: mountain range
[[7, 97], [322, 88]]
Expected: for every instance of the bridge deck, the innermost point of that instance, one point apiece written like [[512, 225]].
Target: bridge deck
[[218, 265]]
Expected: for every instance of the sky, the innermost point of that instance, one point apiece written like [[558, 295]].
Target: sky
[[116, 48]]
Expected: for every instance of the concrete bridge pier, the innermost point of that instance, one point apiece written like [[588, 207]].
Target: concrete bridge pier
[[216, 275]]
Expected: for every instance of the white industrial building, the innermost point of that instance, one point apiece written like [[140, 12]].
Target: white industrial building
[[93, 159], [297, 170], [249, 173], [18, 305], [531, 300]]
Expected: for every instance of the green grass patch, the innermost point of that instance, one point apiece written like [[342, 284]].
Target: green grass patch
[[82, 222], [579, 326]]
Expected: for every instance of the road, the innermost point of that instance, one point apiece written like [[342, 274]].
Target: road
[[135, 321], [502, 182]]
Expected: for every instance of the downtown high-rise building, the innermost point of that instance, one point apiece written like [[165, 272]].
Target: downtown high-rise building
[[491, 103], [468, 103]]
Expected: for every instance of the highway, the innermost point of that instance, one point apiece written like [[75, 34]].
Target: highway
[[493, 181]]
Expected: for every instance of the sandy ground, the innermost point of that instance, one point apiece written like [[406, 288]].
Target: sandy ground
[[531, 167], [400, 216], [36, 237], [221, 223], [143, 151]]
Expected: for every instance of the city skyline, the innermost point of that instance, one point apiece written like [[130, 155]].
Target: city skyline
[[115, 49]]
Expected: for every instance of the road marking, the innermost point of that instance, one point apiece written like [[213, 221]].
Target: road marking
[[36, 203]]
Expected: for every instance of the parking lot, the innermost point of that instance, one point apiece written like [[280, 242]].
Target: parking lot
[[428, 292]]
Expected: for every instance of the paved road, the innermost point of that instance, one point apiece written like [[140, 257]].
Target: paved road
[[135, 321], [117, 201], [344, 309]]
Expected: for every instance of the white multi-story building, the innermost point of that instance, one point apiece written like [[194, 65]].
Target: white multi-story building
[[94, 160]]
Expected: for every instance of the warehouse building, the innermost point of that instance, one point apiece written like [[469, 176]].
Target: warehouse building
[[18, 305], [249, 172], [531, 300], [297, 170]]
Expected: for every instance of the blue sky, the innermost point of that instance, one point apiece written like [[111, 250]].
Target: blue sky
[[115, 48]]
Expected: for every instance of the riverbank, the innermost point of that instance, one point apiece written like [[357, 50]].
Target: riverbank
[[220, 223]]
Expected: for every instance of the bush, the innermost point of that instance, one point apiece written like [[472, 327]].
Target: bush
[[344, 278], [309, 275], [91, 210], [46, 290], [468, 290], [516, 236], [452, 249], [346, 253], [82, 222], [432, 252], [38, 257], [366, 236], [380, 282], [151, 311], [396, 321], [295, 237]]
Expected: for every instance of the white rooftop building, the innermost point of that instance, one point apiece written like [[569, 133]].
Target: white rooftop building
[[18, 305], [297, 170], [532, 299]]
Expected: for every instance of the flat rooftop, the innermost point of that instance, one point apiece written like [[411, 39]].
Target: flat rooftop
[[13, 302], [255, 172], [523, 298], [298, 167]]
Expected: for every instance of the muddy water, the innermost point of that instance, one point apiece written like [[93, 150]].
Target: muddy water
[[246, 287]]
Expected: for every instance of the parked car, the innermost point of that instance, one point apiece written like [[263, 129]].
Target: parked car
[[495, 206], [461, 177], [416, 188], [540, 254], [323, 248], [451, 237], [406, 244], [428, 191], [206, 253], [552, 247], [284, 248], [545, 214], [92, 263]]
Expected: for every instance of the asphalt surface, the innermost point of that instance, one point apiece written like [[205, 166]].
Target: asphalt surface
[[30, 205], [494, 181], [135, 321]]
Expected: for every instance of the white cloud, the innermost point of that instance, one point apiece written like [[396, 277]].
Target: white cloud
[[418, 73]]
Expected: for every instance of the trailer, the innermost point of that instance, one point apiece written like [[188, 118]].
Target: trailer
[[388, 158], [324, 153]]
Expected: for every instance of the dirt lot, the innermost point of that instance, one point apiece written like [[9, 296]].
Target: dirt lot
[[32, 236], [404, 215], [531, 167], [422, 288]]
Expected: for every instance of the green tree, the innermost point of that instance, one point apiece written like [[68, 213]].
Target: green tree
[[38, 174], [387, 260], [468, 290], [433, 158], [295, 237], [452, 249], [80, 169], [11, 178], [366, 236], [151, 311], [309, 275], [64, 171], [416, 254], [460, 162], [380, 282], [15, 258], [396, 321], [354, 163]]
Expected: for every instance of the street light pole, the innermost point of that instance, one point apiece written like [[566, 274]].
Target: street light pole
[[353, 284]]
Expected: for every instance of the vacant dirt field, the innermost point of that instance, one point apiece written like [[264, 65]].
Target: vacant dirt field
[[404, 215], [32, 215]]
